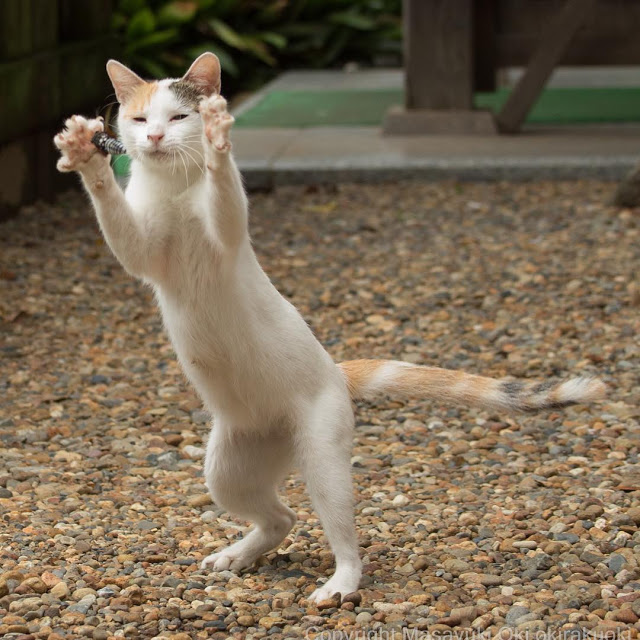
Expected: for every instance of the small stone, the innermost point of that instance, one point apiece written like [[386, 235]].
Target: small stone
[[393, 607], [591, 512], [467, 519], [634, 514], [327, 604], [355, 597], [616, 562], [49, 579], [209, 517], [625, 615], [271, 621], [35, 584], [246, 621], [60, 590], [455, 566], [78, 594], [400, 500], [195, 453], [482, 622], [201, 500], [25, 605], [514, 614], [363, 618], [525, 544], [173, 439]]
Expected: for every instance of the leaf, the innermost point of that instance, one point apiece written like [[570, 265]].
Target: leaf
[[227, 34], [353, 20], [274, 39], [141, 24], [130, 7], [154, 39], [273, 11], [149, 65], [337, 44], [304, 29], [177, 13], [259, 49]]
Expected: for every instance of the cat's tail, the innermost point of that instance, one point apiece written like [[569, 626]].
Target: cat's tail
[[367, 379]]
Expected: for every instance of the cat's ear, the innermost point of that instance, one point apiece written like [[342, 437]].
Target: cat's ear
[[205, 74], [124, 81]]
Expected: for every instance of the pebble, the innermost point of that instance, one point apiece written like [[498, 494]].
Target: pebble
[[522, 517], [60, 590], [514, 614], [195, 453]]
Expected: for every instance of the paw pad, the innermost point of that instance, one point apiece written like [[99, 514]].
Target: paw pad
[[75, 142], [217, 122]]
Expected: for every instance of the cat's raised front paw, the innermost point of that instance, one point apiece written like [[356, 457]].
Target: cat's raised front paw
[[74, 141], [217, 122]]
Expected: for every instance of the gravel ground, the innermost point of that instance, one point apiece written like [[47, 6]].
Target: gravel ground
[[467, 520]]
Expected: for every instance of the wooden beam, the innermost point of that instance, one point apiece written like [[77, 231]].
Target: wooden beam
[[550, 50], [484, 45], [438, 38]]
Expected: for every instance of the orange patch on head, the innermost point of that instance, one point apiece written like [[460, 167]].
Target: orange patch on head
[[140, 98]]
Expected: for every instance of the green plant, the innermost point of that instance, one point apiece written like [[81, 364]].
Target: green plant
[[254, 39]]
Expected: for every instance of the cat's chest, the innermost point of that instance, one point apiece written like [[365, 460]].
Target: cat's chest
[[175, 224]]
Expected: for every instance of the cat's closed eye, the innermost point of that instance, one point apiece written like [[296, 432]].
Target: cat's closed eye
[[140, 119], [179, 116]]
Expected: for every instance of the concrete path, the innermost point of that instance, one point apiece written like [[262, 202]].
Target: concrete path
[[272, 156]]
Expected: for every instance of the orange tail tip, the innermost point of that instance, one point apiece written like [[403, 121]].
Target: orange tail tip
[[372, 378]]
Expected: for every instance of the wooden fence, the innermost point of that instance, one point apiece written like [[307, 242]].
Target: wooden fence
[[52, 64]]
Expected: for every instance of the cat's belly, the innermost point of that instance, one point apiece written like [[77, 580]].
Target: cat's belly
[[248, 367]]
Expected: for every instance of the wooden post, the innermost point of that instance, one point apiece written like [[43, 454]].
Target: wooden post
[[484, 45], [550, 50], [439, 71], [438, 56]]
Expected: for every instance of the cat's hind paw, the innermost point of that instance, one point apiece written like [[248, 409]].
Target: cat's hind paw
[[227, 560], [74, 142], [217, 122]]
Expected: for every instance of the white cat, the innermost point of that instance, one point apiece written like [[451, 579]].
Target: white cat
[[276, 397]]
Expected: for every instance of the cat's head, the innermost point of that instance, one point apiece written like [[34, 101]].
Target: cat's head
[[158, 121]]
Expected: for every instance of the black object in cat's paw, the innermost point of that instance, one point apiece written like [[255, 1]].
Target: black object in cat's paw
[[107, 144]]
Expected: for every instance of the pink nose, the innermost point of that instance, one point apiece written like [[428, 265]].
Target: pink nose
[[155, 137]]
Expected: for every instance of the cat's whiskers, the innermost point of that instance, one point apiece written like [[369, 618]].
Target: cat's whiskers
[[173, 163], [186, 170], [200, 154], [200, 165]]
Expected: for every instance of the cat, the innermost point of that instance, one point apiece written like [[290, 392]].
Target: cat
[[276, 397]]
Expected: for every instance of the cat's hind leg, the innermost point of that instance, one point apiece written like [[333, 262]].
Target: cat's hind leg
[[242, 473], [324, 455]]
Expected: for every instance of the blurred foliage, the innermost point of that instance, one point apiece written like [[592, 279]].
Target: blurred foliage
[[255, 39]]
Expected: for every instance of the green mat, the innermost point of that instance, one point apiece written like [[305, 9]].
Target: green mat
[[367, 107]]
